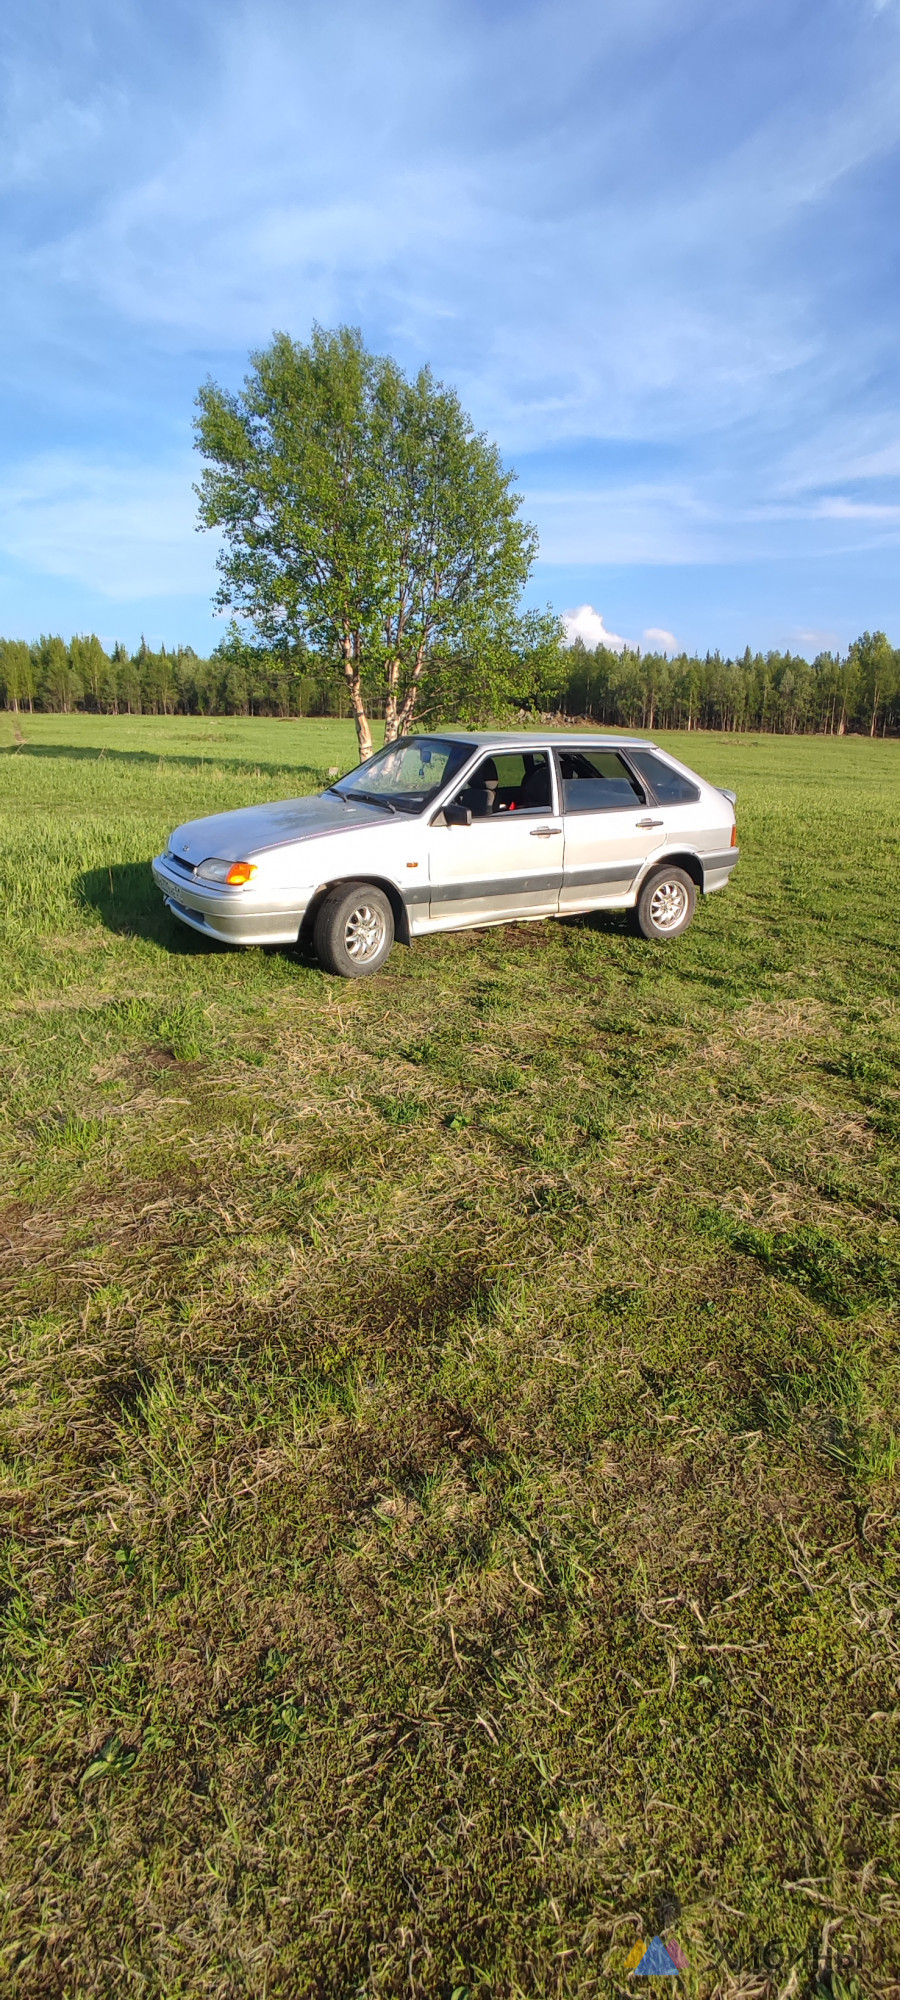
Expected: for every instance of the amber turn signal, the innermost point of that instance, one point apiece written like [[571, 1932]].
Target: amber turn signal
[[733, 839], [239, 873]]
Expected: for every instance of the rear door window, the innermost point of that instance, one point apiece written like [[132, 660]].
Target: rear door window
[[597, 781], [672, 788]]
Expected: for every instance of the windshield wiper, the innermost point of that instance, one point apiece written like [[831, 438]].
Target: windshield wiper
[[374, 799]]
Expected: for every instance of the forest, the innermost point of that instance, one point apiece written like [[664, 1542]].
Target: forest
[[782, 693]]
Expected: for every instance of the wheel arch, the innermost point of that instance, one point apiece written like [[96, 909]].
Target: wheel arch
[[388, 889], [691, 864]]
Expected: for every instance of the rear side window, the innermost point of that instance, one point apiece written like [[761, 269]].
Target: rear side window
[[597, 781], [671, 788]]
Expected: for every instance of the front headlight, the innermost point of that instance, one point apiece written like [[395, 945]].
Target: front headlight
[[235, 873]]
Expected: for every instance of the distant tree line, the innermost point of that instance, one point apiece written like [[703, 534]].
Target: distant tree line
[[834, 694], [237, 679]]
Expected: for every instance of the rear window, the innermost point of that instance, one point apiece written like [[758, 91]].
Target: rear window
[[671, 787], [597, 781]]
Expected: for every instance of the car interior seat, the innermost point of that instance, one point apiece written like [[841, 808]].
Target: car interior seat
[[535, 787], [481, 795]]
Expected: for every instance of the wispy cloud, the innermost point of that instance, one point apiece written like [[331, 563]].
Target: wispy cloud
[[841, 509], [699, 273], [121, 531]]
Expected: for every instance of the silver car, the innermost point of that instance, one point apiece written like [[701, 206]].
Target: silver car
[[458, 829]]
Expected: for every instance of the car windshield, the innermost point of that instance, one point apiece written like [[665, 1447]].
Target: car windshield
[[406, 775]]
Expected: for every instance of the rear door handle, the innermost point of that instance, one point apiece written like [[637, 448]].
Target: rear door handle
[[544, 832], [649, 822]]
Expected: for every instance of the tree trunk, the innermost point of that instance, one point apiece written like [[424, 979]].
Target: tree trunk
[[874, 710], [391, 714], [408, 708], [351, 675]]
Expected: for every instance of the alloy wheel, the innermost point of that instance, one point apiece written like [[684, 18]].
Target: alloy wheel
[[364, 933], [668, 905]]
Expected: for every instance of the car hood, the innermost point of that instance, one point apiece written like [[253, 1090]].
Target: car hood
[[234, 836]]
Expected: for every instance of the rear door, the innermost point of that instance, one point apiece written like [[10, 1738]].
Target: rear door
[[610, 827], [681, 803], [508, 862]]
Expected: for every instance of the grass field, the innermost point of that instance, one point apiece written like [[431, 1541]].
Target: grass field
[[450, 1444]]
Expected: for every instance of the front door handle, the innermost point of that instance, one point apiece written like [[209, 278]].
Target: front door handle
[[649, 822], [544, 832]]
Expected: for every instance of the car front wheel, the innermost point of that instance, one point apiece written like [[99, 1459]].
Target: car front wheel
[[666, 904], [353, 930]]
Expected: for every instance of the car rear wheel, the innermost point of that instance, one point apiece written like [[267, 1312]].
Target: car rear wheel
[[666, 904], [354, 930]]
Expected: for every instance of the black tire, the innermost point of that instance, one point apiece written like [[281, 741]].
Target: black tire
[[666, 904], [353, 930]]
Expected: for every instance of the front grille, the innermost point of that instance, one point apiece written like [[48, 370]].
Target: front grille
[[176, 862]]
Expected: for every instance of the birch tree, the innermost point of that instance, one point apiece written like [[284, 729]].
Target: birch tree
[[364, 517]]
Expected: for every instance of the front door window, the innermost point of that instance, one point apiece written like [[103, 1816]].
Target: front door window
[[514, 781], [507, 861]]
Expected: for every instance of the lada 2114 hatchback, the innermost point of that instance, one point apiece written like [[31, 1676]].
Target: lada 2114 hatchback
[[455, 830]]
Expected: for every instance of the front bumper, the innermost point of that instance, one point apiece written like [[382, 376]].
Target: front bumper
[[231, 916]]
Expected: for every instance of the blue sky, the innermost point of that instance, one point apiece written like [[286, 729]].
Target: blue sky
[[655, 246]]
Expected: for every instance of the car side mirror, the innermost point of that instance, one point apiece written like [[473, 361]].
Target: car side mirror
[[457, 816]]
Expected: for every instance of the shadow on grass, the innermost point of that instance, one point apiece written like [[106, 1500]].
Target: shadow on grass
[[196, 760], [125, 898], [611, 923]]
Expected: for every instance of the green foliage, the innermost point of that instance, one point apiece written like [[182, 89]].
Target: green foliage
[[773, 691], [518, 671], [239, 679], [16, 673], [59, 684], [365, 519]]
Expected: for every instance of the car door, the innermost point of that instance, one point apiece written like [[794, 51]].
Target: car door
[[680, 801], [610, 827], [507, 862]]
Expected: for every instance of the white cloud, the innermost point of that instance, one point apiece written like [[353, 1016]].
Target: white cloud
[[587, 625], [659, 637]]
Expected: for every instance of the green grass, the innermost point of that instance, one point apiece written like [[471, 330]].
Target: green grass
[[451, 1441]]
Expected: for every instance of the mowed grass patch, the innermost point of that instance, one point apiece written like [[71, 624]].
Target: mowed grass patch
[[450, 1442]]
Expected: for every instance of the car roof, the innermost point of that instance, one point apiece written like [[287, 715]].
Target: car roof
[[525, 739]]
